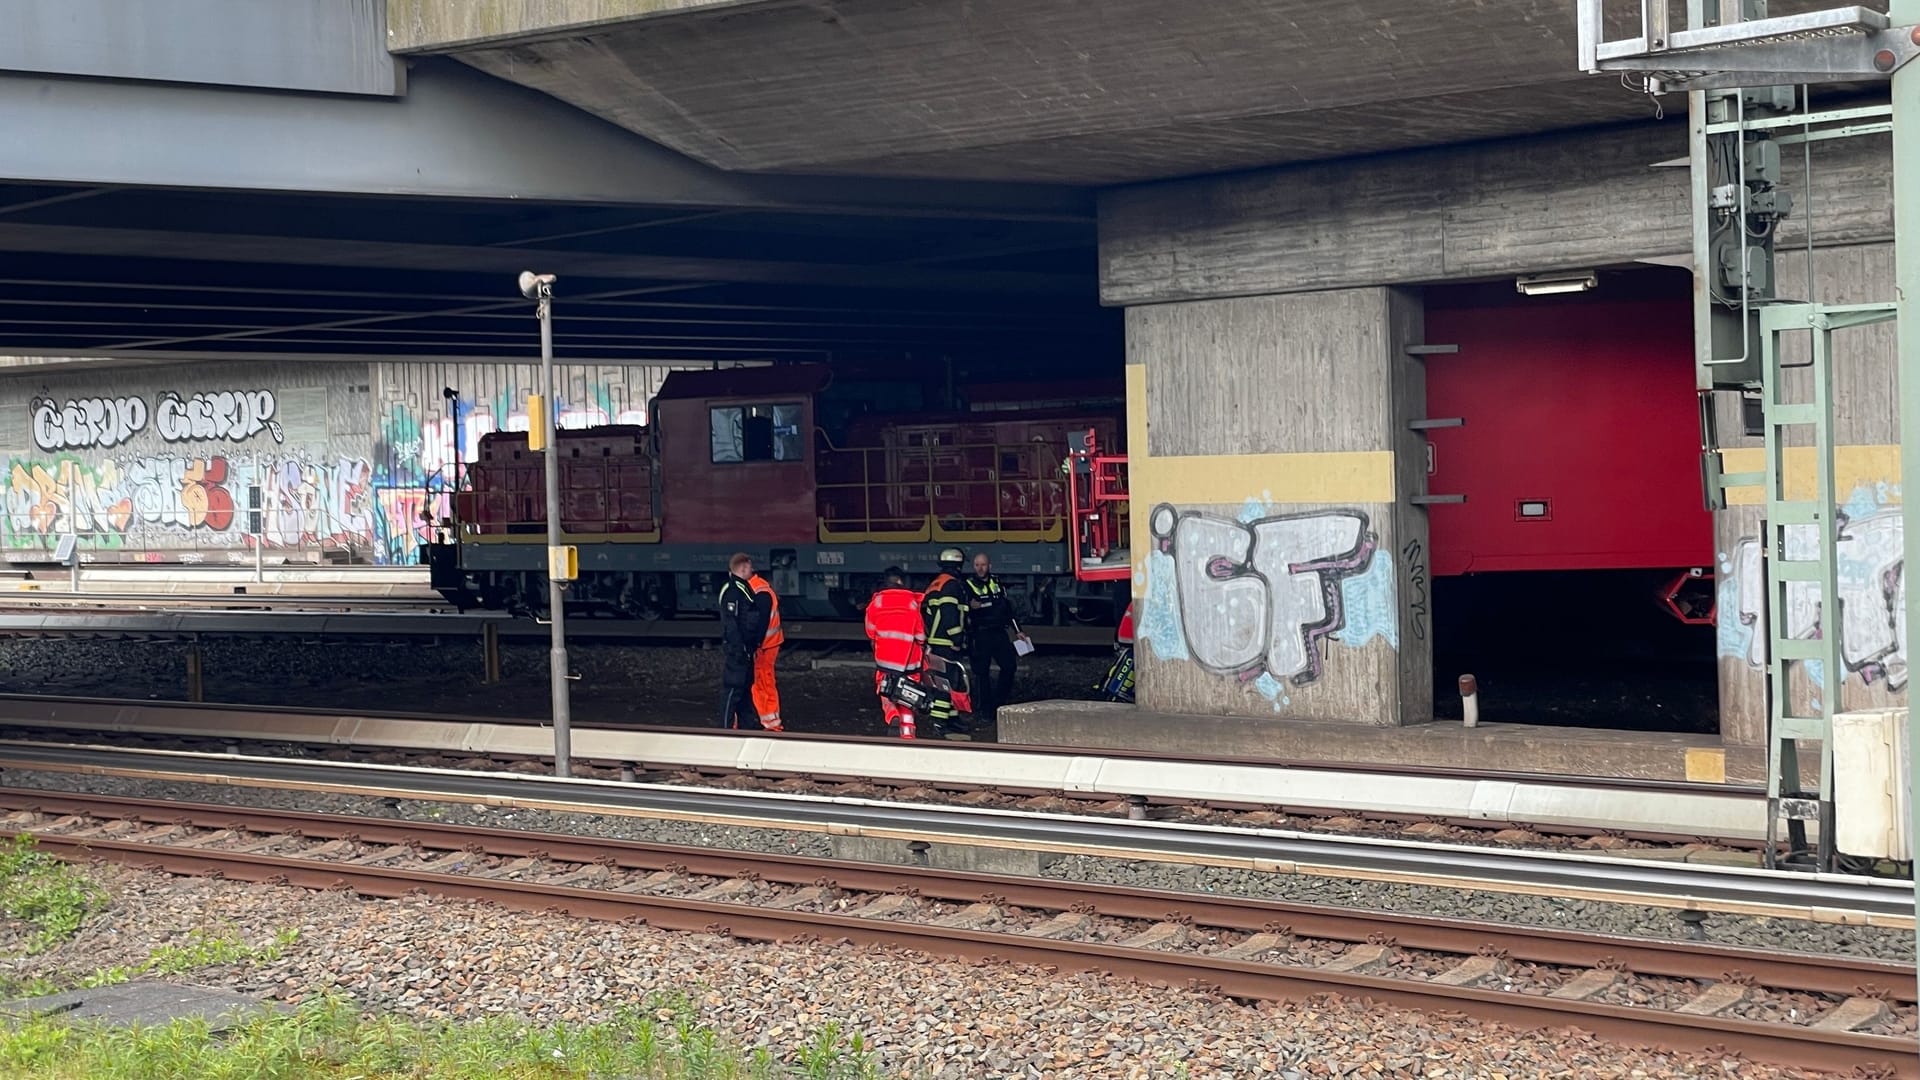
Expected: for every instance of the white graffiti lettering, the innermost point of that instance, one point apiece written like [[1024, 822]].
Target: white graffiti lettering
[[87, 422], [233, 415], [1256, 598], [1872, 601]]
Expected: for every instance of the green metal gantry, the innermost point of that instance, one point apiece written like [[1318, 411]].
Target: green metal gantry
[[1735, 62]]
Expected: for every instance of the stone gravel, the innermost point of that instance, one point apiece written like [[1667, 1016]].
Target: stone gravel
[[1575, 915], [924, 1016], [620, 683]]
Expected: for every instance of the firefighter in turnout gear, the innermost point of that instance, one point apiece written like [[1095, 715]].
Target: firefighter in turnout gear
[[989, 618], [899, 648], [766, 696], [1117, 684], [943, 608], [743, 627]]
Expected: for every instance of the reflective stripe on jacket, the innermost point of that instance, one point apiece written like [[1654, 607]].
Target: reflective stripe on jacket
[[774, 636], [994, 612], [893, 625], [946, 615]]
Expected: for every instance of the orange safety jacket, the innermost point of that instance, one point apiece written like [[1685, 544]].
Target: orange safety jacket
[[893, 625], [774, 636]]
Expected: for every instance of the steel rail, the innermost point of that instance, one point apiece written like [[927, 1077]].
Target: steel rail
[[1249, 980], [1818, 897], [1814, 973], [92, 708]]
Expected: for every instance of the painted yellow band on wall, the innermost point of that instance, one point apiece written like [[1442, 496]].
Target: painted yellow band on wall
[[1356, 476], [1853, 467]]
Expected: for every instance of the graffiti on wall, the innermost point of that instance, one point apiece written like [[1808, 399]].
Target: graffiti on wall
[[1872, 620], [1259, 598], [86, 422], [230, 415], [162, 501], [420, 459], [101, 423]]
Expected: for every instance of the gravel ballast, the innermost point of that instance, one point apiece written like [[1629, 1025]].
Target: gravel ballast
[[1580, 915], [429, 957]]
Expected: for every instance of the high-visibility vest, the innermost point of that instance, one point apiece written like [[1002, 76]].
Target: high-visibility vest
[[893, 625], [946, 616], [774, 636]]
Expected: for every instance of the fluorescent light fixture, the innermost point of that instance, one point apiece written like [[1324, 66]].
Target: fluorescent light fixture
[[1548, 284]]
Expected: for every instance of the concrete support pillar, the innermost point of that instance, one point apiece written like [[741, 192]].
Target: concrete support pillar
[[1870, 622], [1280, 568]]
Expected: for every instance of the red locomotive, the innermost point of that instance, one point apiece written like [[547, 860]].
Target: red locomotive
[[751, 459]]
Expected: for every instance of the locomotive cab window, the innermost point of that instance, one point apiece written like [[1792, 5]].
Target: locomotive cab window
[[756, 433]]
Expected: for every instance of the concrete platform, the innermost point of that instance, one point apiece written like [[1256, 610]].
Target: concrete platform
[[1501, 747], [146, 1003]]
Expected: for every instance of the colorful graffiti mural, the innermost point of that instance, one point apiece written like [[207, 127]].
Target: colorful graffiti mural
[[102, 423], [1258, 598], [1872, 603], [162, 501], [421, 458]]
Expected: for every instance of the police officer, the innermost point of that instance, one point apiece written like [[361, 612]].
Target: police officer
[[989, 618], [943, 609], [743, 626]]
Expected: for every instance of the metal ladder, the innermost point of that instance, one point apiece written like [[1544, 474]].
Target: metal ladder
[[1799, 543]]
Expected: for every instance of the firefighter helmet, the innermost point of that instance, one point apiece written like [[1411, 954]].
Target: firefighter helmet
[[952, 556]]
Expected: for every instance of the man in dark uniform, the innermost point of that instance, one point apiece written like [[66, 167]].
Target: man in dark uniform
[[943, 607], [989, 618], [743, 624]]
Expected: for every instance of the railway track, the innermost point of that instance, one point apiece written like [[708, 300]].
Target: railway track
[[1530, 809], [1815, 1012], [935, 791], [1656, 883]]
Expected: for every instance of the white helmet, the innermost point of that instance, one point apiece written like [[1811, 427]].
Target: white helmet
[[952, 555]]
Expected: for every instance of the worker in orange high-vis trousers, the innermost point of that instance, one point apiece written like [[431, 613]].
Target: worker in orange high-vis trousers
[[766, 696]]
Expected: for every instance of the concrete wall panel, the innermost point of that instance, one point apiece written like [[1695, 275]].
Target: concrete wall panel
[[1269, 508], [157, 465], [1276, 375], [1566, 201]]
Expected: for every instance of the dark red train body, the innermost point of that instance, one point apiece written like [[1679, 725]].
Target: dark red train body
[[742, 460]]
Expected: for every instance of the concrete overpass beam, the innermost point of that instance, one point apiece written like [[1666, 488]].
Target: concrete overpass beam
[[457, 134], [322, 46], [1558, 202], [441, 25]]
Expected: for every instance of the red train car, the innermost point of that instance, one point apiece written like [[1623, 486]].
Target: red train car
[[738, 460]]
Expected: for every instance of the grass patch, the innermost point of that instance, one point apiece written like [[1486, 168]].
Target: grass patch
[[47, 894], [330, 1039], [202, 949]]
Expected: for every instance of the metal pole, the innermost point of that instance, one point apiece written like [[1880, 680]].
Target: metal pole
[[257, 515], [1906, 280], [539, 287], [73, 527]]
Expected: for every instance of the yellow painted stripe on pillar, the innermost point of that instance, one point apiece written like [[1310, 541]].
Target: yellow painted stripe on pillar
[[1350, 476], [1853, 467]]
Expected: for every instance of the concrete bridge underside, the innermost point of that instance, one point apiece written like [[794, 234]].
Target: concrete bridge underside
[[1049, 90]]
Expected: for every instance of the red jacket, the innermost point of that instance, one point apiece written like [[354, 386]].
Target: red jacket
[[894, 627]]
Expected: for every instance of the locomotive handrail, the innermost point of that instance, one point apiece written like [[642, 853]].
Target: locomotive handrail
[[1049, 525]]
